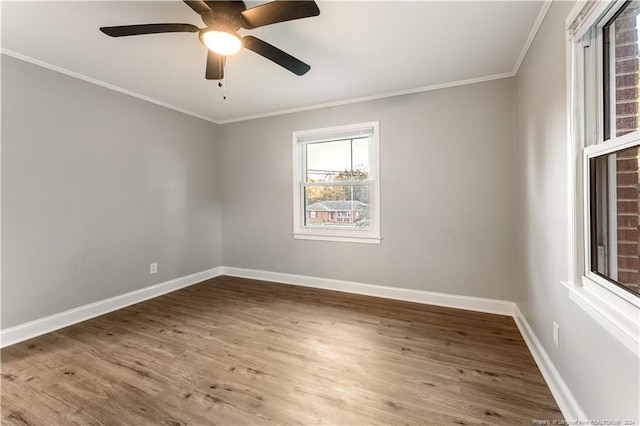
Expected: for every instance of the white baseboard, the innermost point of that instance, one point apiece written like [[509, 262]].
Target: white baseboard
[[561, 392], [54, 322], [570, 408], [492, 306]]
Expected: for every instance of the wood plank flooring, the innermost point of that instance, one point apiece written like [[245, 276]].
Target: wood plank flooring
[[232, 351]]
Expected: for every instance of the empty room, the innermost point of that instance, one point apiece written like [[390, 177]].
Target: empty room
[[320, 212]]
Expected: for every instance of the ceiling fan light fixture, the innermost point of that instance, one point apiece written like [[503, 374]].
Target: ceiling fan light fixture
[[222, 42]]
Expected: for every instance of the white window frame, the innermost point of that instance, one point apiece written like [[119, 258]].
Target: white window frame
[[615, 309], [353, 235]]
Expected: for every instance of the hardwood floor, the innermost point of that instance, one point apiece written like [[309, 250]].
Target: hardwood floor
[[233, 351]]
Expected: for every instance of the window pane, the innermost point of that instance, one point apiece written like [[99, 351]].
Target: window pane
[[337, 206], [622, 32], [615, 245], [337, 160]]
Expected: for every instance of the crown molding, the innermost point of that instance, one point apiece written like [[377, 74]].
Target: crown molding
[[532, 34], [373, 97], [101, 83]]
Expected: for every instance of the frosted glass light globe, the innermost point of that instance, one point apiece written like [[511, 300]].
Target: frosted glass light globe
[[221, 42]]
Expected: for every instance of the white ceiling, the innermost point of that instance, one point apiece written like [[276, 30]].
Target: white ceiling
[[355, 49]]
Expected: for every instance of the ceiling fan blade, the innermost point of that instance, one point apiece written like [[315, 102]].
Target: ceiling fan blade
[[228, 7], [215, 66], [278, 11], [198, 6], [276, 55], [130, 30]]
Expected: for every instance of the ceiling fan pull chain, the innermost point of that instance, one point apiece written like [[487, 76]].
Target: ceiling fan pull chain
[[223, 81], [224, 87], [222, 84]]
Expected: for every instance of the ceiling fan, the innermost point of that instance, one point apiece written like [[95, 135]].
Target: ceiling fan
[[222, 20]]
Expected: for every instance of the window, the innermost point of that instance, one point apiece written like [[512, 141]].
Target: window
[[336, 193], [613, 202], [606, 140]]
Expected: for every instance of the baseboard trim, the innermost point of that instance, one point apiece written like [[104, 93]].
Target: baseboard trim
[[570, 408], [492, 306], [54, 322]]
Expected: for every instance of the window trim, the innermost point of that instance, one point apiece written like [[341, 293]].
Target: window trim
[[615, 309], [366, 236]]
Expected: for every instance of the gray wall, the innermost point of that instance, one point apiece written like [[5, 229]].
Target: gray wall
[[95, 186], [447, 194], [602, 374]]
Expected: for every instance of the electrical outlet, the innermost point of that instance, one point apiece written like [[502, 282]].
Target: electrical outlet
[[556, 334], [153, 268]]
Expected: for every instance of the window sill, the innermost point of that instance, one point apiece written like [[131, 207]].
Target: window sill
[[335, 238], [619, 317]]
